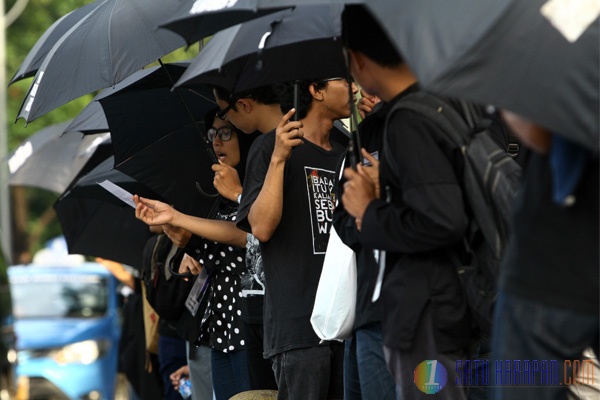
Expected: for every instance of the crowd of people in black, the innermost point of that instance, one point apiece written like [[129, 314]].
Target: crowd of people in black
[[256, 265]]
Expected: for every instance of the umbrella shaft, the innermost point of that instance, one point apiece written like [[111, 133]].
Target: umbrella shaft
[[296, 116]]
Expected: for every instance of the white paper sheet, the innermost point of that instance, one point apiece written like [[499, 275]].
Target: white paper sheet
[[118, 192]]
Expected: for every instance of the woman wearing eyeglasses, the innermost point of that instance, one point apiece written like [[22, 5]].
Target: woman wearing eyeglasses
[[223, 257]]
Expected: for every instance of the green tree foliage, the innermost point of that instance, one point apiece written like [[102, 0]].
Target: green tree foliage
[[20, 37]]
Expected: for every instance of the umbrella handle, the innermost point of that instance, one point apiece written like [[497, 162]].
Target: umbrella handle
[[296, 101], [172, 270], [203, 193], [354, 145]]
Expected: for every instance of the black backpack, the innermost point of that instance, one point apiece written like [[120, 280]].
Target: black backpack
[[489, 178], [165, 291]]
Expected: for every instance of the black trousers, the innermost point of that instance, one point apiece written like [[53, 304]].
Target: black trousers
[[422, 372]]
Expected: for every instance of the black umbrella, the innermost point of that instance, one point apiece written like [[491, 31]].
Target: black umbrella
[[195, 20], [90, 120], [96, 223], [158, 138], [201, 18], [109, 43], [50, 159], [294, 44], [42, 47], [536, 57]]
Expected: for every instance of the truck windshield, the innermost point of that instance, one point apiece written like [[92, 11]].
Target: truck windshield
[[59, 296]]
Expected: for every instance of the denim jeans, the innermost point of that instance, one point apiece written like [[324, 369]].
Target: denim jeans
[[310, 373], [171, 356], [525, 329], [482, 351], [366, 376], [229, 373]]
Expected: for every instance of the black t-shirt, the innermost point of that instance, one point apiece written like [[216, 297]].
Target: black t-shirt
[[554, 254], [253, 283], [293, 257]]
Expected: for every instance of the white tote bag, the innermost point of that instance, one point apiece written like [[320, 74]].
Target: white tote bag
[[335, 304]]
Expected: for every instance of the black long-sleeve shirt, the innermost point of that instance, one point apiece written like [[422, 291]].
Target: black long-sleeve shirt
[[367, 312], [425, 217]]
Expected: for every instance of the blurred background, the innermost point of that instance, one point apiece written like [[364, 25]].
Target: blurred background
[[32, 218]]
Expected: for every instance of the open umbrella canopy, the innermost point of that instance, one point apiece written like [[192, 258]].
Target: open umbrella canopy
[[50, 160], [158, 137], [112, 41], [201, 18], [42, 47], [198, 19], [299, 43], [90, 120], [96, 223], [538, 58]]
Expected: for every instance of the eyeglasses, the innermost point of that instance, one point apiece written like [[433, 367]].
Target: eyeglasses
[[223, 113], [223, 133]]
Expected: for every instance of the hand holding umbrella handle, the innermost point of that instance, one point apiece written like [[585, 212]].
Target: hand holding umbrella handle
[[287, 136]]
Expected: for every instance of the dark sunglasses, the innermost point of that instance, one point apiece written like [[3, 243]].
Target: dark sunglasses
[[223, 133]]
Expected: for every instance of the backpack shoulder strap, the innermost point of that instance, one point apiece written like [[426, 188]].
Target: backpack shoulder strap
[[437, 110]]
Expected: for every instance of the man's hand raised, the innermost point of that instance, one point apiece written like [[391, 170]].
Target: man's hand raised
[[288, 136]]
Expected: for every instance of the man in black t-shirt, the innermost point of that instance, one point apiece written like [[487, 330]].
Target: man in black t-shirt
[[287, 205], [256, 110]]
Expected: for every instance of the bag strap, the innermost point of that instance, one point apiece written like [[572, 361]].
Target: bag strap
[[458, 128], [513, 145], [176, 258], [441, 113], [154, 267]]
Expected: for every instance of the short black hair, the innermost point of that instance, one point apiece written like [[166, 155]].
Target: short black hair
[[361, 32], [223, 94], [264, 95], [286, 95]]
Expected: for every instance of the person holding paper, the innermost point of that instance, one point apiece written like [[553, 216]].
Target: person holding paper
[[224, 260], [256, 110]]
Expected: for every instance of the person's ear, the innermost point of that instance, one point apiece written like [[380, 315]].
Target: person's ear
[[245, 105], [317, 94], [357, 59]]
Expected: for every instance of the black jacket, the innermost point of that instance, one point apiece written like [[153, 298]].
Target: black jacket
[[425, 218], [367, 312]]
